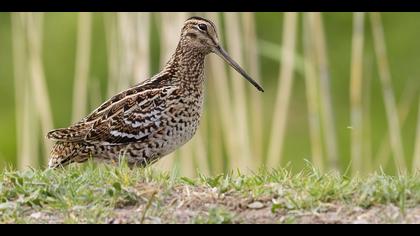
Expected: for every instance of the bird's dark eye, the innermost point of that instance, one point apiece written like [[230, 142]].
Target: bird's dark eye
[[202, 27]]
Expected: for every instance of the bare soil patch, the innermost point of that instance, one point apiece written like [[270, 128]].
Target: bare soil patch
[[190, 204]]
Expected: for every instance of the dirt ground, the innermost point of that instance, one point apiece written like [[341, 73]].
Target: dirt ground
[[188, 204]]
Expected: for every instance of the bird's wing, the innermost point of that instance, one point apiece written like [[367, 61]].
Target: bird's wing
[[124, 118]]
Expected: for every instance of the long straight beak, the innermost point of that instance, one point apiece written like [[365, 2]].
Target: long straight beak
[[223, 54]]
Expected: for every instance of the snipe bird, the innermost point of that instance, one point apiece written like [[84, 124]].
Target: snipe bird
[[152, 118]]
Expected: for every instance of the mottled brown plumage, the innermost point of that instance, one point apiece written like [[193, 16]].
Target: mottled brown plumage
[[150, 119]]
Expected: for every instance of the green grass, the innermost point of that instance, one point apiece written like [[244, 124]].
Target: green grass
[[94, 193]]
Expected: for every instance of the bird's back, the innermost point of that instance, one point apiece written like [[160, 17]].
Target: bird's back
[[146, 121]]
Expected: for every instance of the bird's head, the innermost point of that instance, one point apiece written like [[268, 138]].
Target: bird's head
[[200, 34]]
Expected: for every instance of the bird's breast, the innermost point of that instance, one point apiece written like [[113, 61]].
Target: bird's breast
[[184, 116]]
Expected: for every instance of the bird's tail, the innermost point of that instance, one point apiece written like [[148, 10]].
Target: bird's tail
[[64, 153]]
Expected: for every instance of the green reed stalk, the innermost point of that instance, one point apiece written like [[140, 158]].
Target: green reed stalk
[[110, 26], [407, 99], [416, 155], [142, 58], [312, 96], [34, 23], [367, 123], [224, 107], [356, 90], [252, 56], [82, 65], [284, 91], [318, 34], [388, 94], [26, 125], [234, 45]]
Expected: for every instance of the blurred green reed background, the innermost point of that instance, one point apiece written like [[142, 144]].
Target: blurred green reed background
[[342, 89]]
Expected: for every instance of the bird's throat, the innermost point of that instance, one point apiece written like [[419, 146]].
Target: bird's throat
[[187, 65]]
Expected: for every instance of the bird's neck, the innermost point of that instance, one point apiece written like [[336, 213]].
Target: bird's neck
[[187, 65]]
